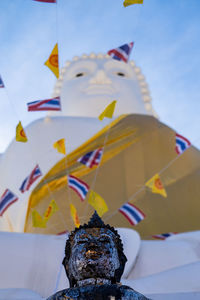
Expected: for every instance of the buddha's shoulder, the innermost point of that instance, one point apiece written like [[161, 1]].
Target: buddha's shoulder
[[100, 292], [61, 295], [129, 293]]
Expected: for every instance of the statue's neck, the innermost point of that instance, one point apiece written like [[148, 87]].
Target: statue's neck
[[93, 281]]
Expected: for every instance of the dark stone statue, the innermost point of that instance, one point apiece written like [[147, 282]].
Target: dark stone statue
[[94, 263]]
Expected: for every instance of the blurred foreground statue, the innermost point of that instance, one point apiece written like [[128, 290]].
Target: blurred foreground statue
[[94, 263]]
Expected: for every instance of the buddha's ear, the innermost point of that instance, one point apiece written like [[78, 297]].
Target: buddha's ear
[[65, 264], [64, 261], [72, 281]]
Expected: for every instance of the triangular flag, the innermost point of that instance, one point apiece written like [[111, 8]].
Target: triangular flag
[[51, 209], [130, 2], [52, 62], [108, 111], [98, 203], [60, 146], [20, 133], [122, 53], [156, 185], [74, 215], [37, 220]]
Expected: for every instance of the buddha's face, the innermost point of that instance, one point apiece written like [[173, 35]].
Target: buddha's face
[[93, 254], [89, 85]]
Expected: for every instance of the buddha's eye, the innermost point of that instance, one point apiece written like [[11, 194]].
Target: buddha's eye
[[81, 242], [105, 240], [121, 74], [79, 74]]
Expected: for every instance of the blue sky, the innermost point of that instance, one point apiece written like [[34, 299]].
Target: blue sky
[[167, 47]]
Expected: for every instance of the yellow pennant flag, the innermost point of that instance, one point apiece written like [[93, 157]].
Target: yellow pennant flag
[[156, 185], [130, 2], [98, 203], [108, 111], [52, 62], [51, 209], [20, 133], [60, 146], [74, 215], [37, 220]]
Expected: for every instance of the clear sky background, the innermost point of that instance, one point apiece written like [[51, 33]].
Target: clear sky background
[[167, 48]]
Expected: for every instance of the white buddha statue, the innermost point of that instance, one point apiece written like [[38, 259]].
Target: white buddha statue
[[137, 147], [86, 86]]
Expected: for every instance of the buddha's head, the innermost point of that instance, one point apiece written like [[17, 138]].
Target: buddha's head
[[89, 83], [94, 251]]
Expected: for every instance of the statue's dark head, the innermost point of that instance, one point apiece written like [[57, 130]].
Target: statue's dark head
[[94, 250]]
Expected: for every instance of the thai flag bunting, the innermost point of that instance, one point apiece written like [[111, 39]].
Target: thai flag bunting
[[133, 214], [1, 83], [181, 144], [91, 158], [46, 1], [29, 180], [48, 104], [79, 186], [6, 200], [121, 53], [163, 236]]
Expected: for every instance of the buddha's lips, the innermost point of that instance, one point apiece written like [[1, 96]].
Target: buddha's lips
[[99, 89], [93, 254]]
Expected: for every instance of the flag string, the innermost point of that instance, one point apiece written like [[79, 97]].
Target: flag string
[[143, 187], [98, 166]]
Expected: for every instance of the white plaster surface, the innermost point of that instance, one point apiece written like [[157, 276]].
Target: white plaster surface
[[158, 256], [180, 279]]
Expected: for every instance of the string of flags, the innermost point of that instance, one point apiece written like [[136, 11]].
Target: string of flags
[[132, 213]]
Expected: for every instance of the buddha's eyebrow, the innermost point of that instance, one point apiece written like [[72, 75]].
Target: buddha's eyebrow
[[105, 236], [83, 236]]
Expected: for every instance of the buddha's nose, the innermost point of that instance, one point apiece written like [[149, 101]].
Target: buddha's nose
[[100, 77], [92, 244]]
